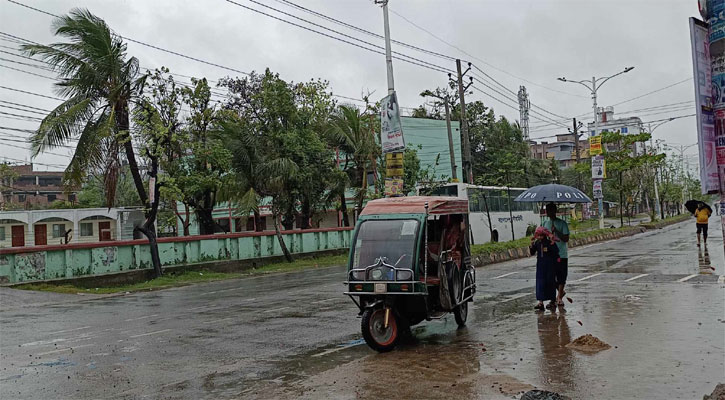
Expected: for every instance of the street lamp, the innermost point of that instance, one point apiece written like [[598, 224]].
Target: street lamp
[[651, 138], [593, 86]]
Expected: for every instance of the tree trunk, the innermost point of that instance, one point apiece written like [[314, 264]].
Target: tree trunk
[[621, 204], [488, 214], [122, 123], [257, 221], [306, 214], [148, 227], [343, 209], [206, 221], [185, 222], [280, 239]]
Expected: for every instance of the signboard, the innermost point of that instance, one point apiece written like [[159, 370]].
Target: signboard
[[391, 130], [599, 168], [595, 145], [393, 187], [704, 106], [393, 164], [597, 189]]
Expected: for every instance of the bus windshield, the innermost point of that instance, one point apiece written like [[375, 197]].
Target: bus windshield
[[393, 239]]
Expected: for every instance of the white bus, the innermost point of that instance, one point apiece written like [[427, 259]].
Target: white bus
[[497, 200]]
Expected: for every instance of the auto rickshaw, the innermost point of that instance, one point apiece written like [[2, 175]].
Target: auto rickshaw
[[410, 261]]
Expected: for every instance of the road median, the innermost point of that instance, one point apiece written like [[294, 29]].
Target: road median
[[492, 253]]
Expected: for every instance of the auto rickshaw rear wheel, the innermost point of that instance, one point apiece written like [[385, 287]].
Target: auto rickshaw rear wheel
[[378, 336], [461, 312]]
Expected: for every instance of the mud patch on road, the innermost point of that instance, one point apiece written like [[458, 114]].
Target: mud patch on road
[[588, 344], [422, 371]]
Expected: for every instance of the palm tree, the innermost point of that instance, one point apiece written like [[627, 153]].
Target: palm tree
[[351, 133], [257, 173], [100, 84]]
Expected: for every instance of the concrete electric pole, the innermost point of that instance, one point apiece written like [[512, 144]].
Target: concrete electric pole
[[593, 86], [467, 167]]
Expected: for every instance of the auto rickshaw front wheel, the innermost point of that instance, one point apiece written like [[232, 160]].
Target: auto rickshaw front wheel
[[377, 334]]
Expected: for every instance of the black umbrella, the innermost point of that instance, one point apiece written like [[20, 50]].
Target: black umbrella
[[553, 193], [691, 205]]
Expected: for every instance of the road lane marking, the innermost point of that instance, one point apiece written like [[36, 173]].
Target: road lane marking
[[635, 277], [68, 330], [505, 275], [589, 276], [687, 278], [139, 318], [721, 279], [275, 309], [66, 349], [40, 342], [324, 301], [149, 333], [518, 296], [341, 347]]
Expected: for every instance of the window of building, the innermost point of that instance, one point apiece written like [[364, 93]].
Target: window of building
[[2, 233], [58, 230], [51, 197], [222, 225], [86, 229], [21, 198], [624, 130]]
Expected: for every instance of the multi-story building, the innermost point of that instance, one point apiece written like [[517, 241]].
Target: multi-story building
[[607, 122], [562, 150], [33, 189]]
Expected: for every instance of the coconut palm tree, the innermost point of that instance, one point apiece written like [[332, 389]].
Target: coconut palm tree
[[349, 131], [257, 173], [100, 84]]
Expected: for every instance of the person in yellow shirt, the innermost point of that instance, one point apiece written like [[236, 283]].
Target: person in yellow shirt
[[702, 214]]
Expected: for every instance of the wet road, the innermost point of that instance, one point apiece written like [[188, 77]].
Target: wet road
[[656, 299]]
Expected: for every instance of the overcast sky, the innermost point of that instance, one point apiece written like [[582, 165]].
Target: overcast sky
[[516, 42]]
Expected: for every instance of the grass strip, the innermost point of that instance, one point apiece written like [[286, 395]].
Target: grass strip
[[187, 277]]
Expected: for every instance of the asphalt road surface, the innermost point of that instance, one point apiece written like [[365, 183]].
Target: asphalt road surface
[[656, 298]]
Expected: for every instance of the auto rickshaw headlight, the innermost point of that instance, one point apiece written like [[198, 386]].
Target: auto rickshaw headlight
[[376, 274], [358, 275], [405, 275]]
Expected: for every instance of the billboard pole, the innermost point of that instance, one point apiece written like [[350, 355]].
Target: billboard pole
[[716, 36], [390, 121]]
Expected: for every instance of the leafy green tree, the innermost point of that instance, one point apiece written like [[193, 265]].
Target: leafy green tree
[[100, 83], [625, 167], [353, 133]]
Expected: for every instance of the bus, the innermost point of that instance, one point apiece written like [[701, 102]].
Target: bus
[[496, 200]]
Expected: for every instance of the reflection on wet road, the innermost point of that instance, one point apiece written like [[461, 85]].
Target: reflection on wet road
[[655, 298]]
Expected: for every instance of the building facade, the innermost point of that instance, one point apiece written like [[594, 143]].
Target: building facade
[[58, 227], [562, 150], [627, 126], [33, 189]]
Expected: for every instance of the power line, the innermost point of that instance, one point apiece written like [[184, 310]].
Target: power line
[[373, 34], [410, 60], [480, 59], [30, 93], [654, 91], [27, 72]]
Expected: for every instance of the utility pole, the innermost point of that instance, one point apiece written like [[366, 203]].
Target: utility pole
[[467, 168], [524, 105], [446, 102], [388, 52], [575, 130], [593, 86]]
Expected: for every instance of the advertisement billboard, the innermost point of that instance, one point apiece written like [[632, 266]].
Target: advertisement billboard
[[701, 65], [391, 132]]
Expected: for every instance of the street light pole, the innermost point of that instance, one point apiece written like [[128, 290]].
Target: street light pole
[[657, 192], [388, 52], [595, 85]]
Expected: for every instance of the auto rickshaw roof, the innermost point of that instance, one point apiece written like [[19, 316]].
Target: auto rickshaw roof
[[437, 205]]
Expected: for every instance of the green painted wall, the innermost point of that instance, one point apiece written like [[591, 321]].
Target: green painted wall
[[70, 261]]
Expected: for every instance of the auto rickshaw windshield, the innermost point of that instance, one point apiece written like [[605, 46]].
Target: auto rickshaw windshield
[[392, 239]]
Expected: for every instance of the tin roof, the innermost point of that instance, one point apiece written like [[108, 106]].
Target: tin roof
[[416, 205]]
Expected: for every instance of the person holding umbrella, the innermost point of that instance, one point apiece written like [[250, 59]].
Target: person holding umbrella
[[560, 229], [702, 216], [550, 194]]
